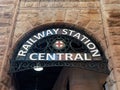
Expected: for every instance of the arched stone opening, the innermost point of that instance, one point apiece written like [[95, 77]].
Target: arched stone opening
[[87, 58]]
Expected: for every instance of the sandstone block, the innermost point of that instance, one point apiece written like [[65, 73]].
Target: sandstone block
[[58, 5], [112, 1], [43, 4], [89, 5], [112, 7], [1, 58], [70, 4], [22, 17], [84, 11], [51, 4], [114, 14], [93, 11], [116, 50], [31, 3], [95, 16], [93, 4], [111, 77], [115, 40], [4, 20], [33, 22], [4, 31], [113, 22], [118, 85], [94, 26], [71, 15], [4, 24], [22, 3], [59, 15], [114, 31], [47, 15], [113, 87], [116, 72], [83, 20], [114, 60], [111, 82], [117, 62], [83, 5], [7, 15], [7, 1], [21, 27], [3, 42]]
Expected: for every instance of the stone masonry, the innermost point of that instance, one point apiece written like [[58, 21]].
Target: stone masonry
[[111, 22], [100, 18]]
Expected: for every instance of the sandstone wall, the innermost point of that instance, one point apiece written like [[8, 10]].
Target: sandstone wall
[[111, 22], [7, 15], [99, 17]]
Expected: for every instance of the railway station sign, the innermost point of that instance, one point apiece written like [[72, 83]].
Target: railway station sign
[[59, 44]]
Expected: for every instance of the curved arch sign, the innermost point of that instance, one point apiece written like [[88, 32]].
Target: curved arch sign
[[93, 54]]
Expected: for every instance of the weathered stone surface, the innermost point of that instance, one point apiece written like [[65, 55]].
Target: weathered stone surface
[[71, 15], [29, 3], [6, 1], [116, 72], [30, 13], [2, 50], [58, 4], [8, 15], [114, 22], [112, 1], [59, 15], [93, 11], [83, 20], [95, 17], [1, 58], [118, 85], [114, 14], [71, 4], [47, 15], [116, 62], [113, 87], [4, 22], [112, 7], [95, 26], [21, 28], [114, 31], [111, 78], [116, 50], [43, 4], [22, 3], [6, 81], [114, 18], [22, 17], [116, 40], [3, 42], [1, 62]]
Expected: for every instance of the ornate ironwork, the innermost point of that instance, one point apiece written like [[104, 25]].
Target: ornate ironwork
[[98, 66], [45, 45], [72, 45]]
